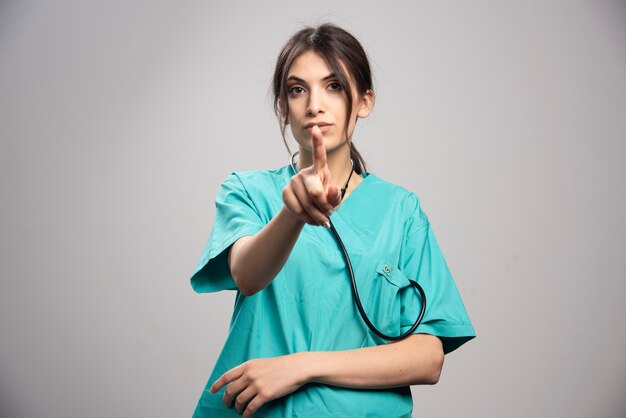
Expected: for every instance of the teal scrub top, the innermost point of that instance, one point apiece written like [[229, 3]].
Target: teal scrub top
[[309, 305]]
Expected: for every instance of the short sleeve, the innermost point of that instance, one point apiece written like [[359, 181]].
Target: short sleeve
[[235, 216], [421, 260]]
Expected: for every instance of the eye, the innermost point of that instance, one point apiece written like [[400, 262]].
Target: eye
[[295, 90], [335, 85]]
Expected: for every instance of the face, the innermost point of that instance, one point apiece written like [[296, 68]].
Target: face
[[316, 97]]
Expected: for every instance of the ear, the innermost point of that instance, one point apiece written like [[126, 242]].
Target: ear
[[283, 111], [367, 102]]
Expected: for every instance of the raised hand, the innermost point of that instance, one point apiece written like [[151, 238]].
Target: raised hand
[[310, 195]]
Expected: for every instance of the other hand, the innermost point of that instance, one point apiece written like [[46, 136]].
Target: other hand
[[261, 380]]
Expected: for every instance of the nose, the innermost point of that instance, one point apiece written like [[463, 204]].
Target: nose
[[315, 103]]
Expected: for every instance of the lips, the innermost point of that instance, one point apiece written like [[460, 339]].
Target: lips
[[320, 124], [324, 127]]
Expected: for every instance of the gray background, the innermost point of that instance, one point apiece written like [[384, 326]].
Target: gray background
[[119, 120]]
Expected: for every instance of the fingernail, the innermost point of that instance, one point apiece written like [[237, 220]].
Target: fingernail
[[326, 225]]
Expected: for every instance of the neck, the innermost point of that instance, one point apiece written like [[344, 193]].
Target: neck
[[338, 161]]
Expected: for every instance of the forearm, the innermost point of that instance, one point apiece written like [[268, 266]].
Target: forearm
[[256, 262], [415, 360]]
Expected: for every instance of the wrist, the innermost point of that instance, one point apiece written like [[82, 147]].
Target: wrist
[[311, 365], [308, 365], [290, 218]]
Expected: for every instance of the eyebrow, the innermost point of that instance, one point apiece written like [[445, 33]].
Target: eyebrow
[[293, 77]]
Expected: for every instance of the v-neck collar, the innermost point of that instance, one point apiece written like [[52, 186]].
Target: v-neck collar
[[343, 218], [357, 189]]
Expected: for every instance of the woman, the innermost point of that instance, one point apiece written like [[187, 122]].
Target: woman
[[297, 345]]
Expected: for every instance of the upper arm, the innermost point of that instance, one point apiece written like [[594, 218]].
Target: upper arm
[[430, 342], [234, 251], [233, 256]]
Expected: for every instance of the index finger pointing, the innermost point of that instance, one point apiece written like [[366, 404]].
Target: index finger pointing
[[319, 151]]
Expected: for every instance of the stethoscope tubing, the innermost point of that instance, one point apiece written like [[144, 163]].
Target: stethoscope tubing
[[357, 299], [355, 292]]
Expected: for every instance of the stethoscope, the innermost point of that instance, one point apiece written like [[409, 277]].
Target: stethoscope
[[355, 292]]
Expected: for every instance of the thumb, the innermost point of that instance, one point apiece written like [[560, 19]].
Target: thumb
[[334, 195]]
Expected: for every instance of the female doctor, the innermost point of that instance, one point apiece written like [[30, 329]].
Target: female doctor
[[297, 345]]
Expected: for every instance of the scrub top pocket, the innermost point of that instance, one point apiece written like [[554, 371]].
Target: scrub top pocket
[[392, 274], [385, 307]]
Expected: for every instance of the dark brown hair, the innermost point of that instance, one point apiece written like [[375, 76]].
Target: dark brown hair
[[337, 46]]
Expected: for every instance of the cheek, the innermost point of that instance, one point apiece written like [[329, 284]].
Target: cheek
[[292, 118], [343, 116], [295, 105], [296, 133]]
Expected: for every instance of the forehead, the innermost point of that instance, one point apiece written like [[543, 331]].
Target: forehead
[[311, 65]]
